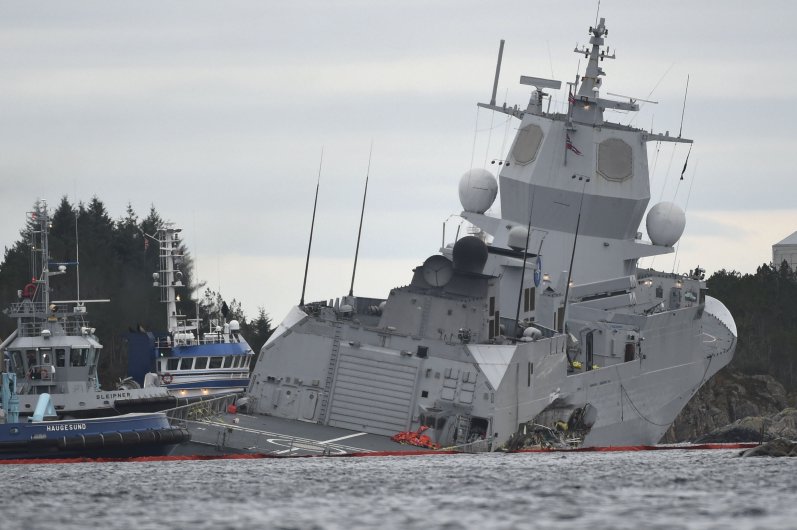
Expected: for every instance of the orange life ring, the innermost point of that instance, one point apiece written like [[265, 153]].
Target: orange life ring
[[167, 378], [29, 291]]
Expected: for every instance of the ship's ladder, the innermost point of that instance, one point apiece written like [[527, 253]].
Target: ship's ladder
[[333, 365]]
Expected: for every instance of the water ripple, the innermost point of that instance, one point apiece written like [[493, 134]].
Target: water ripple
[[659, 490]]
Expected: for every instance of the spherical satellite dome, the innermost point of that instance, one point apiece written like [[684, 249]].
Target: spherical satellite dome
[[665, 223], [470, 254], [517, 237], [477, 190]]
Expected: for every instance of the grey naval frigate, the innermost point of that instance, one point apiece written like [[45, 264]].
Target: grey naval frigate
[[539, 319]]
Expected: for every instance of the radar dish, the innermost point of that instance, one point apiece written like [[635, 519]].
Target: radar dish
[[665, 223], [470, 254], [437, 270], [517, 237], [477, 190]]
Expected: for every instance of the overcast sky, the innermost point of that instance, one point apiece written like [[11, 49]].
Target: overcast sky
[[216, 113]]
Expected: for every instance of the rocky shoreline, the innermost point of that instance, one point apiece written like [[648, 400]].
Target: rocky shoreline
[[734, 407]]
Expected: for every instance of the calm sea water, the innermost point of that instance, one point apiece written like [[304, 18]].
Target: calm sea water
[[659, 489]]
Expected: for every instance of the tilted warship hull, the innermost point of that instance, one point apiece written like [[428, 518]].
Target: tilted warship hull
[[538, 328]]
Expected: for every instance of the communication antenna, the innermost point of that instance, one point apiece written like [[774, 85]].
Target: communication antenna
[[573, 252], [362, 214], [683, 110], [312, 225], [497, 71], [523, 270], [77, 255]]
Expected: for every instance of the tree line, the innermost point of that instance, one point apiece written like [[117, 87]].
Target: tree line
[[764, 306], [116, 261]]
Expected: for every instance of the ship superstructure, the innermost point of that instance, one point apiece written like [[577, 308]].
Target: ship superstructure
[[541, 320]]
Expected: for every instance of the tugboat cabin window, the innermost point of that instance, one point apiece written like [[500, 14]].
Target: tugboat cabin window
[[186, 363], [46, 356], [228, 361], [215, 362], [19, 368], [236, 361], [172, 364], [60, 357], [201, 363], [78, 357]]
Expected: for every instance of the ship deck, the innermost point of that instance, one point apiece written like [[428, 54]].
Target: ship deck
[[274, 436]]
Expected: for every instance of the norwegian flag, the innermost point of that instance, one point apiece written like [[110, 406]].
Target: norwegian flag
[[571, 98], [569, 145]]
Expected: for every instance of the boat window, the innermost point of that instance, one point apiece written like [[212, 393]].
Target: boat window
[[245, 361], [30, 356], [60, 357], [228, 361], [172, 364], [186, 363], [78, 357], [46, 356], [19, 368], [236, 361], [201, 363], [215, 362]]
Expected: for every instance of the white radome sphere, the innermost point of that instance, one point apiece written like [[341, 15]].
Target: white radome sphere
[[477, 190], [665, 223], [517, 237]]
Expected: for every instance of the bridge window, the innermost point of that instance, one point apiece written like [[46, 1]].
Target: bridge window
[[186, 363], [172, 364], [215, 362], [60, 357], [19, 368], [201, 363], [78, 357], [528, 299], [228, 361]]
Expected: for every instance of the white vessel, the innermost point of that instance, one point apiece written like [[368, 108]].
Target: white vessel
[[190, 359], [542, 321]]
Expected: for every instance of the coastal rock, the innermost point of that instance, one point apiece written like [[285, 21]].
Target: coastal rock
[[782, 425], [776, 447], [729, 396]]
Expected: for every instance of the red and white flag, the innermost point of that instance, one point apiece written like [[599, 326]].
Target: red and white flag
[[569, 145]]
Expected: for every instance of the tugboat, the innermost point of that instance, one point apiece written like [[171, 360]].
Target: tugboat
[[125, 436], [191, 363], [54, 350], [540, 321]]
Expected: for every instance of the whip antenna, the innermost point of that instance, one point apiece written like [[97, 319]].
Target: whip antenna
[[362, 214], [683, 110], [312, 225]]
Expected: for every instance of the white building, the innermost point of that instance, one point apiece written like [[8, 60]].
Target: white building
[[786, 250]]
